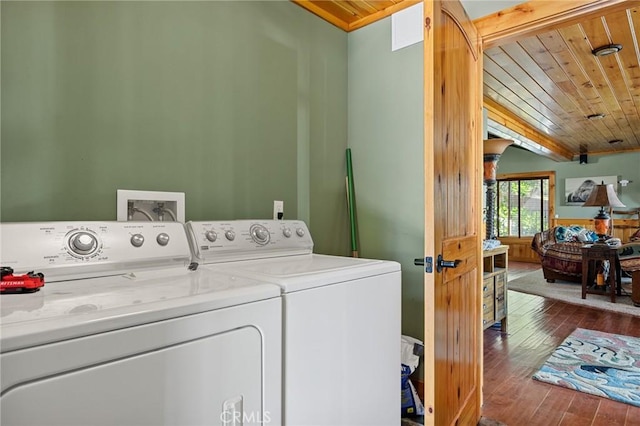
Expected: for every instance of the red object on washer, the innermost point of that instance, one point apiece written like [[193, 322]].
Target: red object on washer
[[26, 283]]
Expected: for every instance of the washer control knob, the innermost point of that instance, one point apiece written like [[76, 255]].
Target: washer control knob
[[260, 234], [137, 240], [286, 232], [230, 235], [211, 236], [163, 239], [83, 243], [300, 232]]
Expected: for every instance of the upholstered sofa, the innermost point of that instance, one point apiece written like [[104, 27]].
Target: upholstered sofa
[[629, 255], [559, 249]]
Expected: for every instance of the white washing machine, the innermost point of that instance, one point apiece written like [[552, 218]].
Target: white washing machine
[[124, 333], [342, 315]]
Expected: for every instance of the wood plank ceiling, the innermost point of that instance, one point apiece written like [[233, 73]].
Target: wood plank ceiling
[[552, 83], [544, 87]]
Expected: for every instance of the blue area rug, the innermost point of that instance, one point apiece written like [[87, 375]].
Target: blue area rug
[[601, 364]]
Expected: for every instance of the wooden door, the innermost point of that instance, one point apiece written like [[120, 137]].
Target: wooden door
[[453, 183]]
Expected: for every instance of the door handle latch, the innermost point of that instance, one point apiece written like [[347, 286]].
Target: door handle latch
[[441, 263], [427, 262]]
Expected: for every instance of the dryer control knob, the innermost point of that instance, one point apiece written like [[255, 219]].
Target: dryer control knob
[[260, 234], [230, 235], [83, 243], [137, 240], [163, 239], [300, 232], [211, 236], [286, 232]]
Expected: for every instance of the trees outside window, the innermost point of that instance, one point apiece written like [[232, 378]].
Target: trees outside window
[[525, 204]]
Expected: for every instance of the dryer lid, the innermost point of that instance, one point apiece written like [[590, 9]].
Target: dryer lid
[[295, 273], [84, 307]]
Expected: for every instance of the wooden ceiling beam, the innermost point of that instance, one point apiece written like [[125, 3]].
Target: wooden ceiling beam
[[322, 13], [537, 16], [322, 9], [382, 14], [501, 115]]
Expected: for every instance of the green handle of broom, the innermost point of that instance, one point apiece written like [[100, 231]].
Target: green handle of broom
[[351, 206]]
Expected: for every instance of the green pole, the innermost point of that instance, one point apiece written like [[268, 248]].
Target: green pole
[[351, 206]]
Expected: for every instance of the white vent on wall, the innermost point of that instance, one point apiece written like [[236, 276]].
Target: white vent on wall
[[406, 27], [156, 206]]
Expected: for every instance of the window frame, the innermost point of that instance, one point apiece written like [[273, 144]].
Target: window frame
[[550, 175]]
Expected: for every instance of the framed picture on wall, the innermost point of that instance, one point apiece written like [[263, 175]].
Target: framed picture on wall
[[577, 190]]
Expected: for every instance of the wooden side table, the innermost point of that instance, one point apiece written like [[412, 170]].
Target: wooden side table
[[592, 255], [494, 287]]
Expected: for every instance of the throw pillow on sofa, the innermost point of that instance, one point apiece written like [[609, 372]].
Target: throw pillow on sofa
[[562, 233], [575, 233], [587, 236]]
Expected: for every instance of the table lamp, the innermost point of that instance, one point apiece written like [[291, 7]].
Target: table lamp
[[602, 196]]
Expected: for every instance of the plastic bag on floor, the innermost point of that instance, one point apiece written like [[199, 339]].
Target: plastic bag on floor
[[410, 358]]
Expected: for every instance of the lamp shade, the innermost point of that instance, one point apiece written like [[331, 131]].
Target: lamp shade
[[603, 196], [495, 146], [492, 149]]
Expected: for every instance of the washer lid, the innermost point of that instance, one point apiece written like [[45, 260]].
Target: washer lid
[[295, 273], [83, 307]]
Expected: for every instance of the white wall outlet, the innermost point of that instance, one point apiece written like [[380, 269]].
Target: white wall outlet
[[156, 206], [278, 210]]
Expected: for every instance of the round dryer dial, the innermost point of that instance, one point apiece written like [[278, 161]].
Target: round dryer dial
[[137, 240], [163, 239], [211, 236], [83, 243], [259, 234]]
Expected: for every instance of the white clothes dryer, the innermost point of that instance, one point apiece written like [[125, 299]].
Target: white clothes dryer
[[342, 315], [124, 333]]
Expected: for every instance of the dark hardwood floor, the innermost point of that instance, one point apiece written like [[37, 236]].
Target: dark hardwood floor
[[536, 327]]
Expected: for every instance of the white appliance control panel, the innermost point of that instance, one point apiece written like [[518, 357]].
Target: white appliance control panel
[[221, 241], [70, 250]]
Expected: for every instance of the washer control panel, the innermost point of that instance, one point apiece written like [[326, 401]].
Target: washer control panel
[[92, 248], [221, 241]]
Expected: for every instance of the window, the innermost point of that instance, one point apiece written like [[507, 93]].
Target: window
[[525, 204]]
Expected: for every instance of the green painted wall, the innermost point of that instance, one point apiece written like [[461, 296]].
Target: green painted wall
[[236, 104], [627, 166], [386, 138]]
